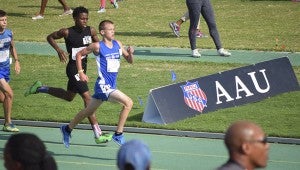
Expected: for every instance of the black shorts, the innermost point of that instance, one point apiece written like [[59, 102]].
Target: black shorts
[[75, 85]]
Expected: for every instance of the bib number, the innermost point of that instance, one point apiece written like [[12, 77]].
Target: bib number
[[75, 51], [113, 65]]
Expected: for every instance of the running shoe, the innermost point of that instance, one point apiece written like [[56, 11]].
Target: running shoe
[[115, 4], [104, 138], [119, 140], [37, 17], [66, 136], [68, 12], [10, 128], [33, 89], [101, 10], [195, 53], [223, 52], [175, 28]]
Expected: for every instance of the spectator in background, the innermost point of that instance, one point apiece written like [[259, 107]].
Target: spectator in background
[[175, 26], [40, 15], [7, 47], [134, 155], [24, 151], [203, 7], [247, 146], [103, 5]]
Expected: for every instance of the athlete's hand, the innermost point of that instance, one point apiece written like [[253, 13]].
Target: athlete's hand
[[83, 77], [130, 50], [129, 54], [17, 67], [63, 56]]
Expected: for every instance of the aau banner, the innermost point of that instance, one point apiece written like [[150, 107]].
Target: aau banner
[[227, 89]]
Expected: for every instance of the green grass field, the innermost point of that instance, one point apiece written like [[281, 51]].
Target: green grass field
[[251, 25], [259, 25]]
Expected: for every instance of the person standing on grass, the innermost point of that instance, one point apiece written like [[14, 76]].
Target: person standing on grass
[[247, 146], [108, 54], [203, 7], [40, 15], [76, 38], [175, 26], [7, 47], [103, 5]]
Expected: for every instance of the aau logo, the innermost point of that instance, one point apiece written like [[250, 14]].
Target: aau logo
[[194, 97]]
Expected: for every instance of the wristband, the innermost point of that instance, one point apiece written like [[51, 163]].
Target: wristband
[[80, 71]]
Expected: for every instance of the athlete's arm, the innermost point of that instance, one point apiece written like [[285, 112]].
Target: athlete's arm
[[63, 56], [128, 53], [13, 52], [94, 47], [94, 35]]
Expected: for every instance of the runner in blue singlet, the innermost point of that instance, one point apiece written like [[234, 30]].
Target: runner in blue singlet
[[108, 52], [7, 46]]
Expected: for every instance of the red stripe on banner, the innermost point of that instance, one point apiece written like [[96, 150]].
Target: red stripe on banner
[[191, 104], [198, 93], [194, 105]]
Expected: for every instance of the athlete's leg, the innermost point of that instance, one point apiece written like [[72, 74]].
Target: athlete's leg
[[198, 26], [88, 111], [209, 16], [102, 3], [64, 4], [194, 13], [7, 99], [120, 97], [86, 97], [43, 7], [1, 97], [60, 93], [185, 16]]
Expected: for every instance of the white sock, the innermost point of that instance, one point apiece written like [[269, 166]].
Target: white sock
[[97, 130]]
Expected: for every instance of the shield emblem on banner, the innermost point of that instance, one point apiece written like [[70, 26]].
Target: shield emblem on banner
[[194, 97]]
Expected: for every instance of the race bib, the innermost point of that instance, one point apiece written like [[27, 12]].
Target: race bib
[[4, 55], [75, 51], [87, 40], [105, 88], [113, 65], [77, 77]]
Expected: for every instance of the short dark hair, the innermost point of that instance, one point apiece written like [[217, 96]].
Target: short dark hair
[[79, 10], [2, 13], [30, 151], [103, 23]]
